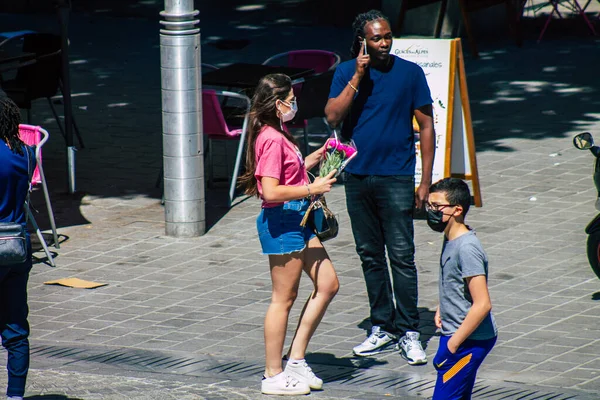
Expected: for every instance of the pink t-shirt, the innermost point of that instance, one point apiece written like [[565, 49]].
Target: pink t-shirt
[[277, 157]]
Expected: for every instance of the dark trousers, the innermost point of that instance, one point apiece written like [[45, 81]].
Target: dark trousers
[[457, 372], [381, 213], [14, 327]]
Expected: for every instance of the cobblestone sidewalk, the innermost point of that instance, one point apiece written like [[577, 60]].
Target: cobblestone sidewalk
[[65, 385]]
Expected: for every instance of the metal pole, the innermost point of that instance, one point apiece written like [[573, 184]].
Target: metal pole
[[183, 159], [71, 164], [64, 8]]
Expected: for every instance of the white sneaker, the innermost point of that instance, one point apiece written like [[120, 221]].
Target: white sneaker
[[411, 349], [377, 341], [283, 384], [300, 370]]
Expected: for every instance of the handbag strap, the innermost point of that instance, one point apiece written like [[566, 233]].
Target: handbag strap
[[29, 169], [28, 154], [307, 213]]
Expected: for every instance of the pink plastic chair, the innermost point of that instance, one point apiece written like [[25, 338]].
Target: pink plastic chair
[[216, 128], [31, 136], [36, 136], [572, 6], [318, 60]]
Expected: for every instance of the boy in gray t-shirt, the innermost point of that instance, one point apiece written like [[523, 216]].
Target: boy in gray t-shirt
[[464, 314]]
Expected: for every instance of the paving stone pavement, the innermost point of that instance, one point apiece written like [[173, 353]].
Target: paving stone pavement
[[184, 301], [68, 385]]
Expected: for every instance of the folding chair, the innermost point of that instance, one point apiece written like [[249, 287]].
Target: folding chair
[[319, 60], [36, 136], [216, 128], [571, 5], [531, 7]]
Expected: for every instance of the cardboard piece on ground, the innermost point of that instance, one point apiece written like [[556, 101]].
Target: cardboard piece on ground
[[75, 283]]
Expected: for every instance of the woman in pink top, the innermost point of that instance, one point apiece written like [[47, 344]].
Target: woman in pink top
[[277, 173]]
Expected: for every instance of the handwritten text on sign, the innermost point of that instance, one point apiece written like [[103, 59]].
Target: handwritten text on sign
[[433, 56]]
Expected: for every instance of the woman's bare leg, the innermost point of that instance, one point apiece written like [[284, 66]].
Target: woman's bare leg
[[285, 276], [319, 268]]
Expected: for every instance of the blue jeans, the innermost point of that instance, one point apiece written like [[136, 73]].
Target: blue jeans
[[14, 327], [381, 214]]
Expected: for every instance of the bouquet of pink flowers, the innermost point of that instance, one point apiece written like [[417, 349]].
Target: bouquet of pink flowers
[[337, 154]]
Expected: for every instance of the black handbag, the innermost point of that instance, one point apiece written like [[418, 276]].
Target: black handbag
[[13, 244], [321, 220], [13, 239], [324, 222]]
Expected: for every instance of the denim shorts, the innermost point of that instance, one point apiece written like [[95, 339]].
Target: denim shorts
[[279, 229]]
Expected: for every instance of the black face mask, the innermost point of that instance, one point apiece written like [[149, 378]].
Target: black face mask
[[435, 220]]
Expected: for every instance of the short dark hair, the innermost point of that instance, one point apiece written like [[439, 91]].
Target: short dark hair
[[358, 28], [456, 190]]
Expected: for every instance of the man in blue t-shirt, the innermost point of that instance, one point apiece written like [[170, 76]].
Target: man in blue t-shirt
[[376, 95]]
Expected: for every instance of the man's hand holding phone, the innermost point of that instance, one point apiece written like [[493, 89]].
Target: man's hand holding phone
[[363, 60]]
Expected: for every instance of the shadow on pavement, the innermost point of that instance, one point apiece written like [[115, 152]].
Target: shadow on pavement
[[538, 91], [353, 362], [216, 205], [66, 209], [331, 368], [427, 325]]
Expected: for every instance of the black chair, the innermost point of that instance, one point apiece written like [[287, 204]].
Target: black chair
[[314, 95], [312, 99], [410, 4], [42, 78]]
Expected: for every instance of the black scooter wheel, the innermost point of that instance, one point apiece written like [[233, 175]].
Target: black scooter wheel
[[593, 252]]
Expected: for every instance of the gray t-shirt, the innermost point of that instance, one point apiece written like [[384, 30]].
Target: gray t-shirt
[[461, 258]]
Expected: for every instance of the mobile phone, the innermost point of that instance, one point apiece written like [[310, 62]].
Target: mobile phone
[[365, 47]]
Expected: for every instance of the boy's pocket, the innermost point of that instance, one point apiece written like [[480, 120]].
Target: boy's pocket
[[444, 359]]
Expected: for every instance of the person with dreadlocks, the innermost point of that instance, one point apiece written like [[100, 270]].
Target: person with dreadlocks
[[376, 95], [16, 160]]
